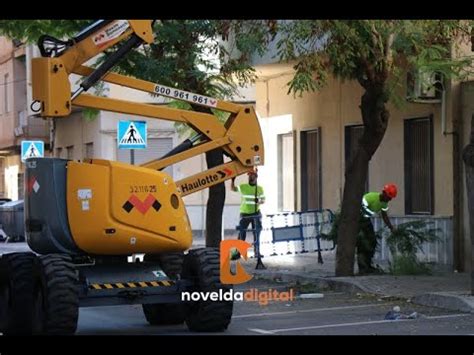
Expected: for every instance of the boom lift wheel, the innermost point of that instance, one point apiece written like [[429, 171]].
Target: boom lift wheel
[[202, 266], [166, 313], [59, 280], [18, 288]]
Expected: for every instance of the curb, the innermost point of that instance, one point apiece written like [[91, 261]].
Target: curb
[[320, 282], [446, 300]]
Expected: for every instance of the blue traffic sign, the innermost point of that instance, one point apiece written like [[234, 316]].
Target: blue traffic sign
[[132, 134], [32, 149]]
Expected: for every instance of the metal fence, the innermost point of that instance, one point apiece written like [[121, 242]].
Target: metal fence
[[438, 252], [300, 232], [295, 232]]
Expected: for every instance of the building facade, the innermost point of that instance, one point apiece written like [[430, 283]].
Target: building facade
[[314, 137], [18, 122]]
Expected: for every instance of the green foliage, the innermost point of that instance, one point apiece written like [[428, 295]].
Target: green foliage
[[90, 114], [408, 265], [186, 54], [373, 52], [404, 243], [30, 30], [332, 235]]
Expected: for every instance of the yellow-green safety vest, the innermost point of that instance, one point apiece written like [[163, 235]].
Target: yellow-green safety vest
[[247, 194]]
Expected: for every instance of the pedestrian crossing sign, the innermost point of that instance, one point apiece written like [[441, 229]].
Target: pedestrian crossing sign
[[132, 134], [32, 149]]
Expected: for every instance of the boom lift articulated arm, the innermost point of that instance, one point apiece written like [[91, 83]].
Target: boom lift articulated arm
[[240, 137], [86, 218]]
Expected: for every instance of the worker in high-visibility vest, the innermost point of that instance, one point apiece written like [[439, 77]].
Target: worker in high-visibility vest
[[372, 204], [252, 197]]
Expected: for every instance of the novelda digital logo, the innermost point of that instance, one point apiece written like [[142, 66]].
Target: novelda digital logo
[[252, 295], [239, 276]]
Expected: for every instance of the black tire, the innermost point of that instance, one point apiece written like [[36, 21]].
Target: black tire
[[202, 267], [60, 294], [166, 313], [18, 290]]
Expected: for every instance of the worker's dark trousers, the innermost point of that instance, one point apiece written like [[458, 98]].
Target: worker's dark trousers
[[366, 245], [245, 219]]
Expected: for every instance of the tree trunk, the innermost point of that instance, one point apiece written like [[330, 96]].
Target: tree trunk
[[468, 157], [215, 203], [375, 117], [216, 200]]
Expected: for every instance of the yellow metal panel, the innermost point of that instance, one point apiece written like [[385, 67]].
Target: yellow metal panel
[[131, 284], [151, 87], [205, 123], [120, 285], [202, 148], [51, 86], [96, 43], [109, 286], [142, 29], [247, 141], [124, 209], [154, 283], [143, 284]]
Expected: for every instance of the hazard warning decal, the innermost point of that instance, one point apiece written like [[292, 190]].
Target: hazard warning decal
[[142, 206], [132, 135], [32, 185]]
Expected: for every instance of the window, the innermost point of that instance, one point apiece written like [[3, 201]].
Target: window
[[21, 186], [5, 93], [352, 134], [2, 178], [59, 152], [286, 181], [89, 150], [424, 85], [311, 170], [419, 166], [70, 152]]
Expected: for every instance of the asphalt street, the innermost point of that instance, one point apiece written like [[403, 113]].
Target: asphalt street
[[332, 314], [335, 313]]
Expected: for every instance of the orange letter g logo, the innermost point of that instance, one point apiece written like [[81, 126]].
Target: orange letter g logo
[[241, 275]]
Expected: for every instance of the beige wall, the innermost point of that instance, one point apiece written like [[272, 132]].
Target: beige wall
[[13, 166], [75, 131], [7, 138], [336, 106]]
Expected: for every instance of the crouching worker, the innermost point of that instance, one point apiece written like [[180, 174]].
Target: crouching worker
[[373, 203]]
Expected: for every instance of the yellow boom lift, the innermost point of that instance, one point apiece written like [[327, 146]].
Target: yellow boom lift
[[83, 219]]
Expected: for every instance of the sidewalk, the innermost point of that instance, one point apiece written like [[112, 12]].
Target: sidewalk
[[444, 290]]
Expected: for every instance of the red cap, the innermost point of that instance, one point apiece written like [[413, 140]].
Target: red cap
[[390, 190]]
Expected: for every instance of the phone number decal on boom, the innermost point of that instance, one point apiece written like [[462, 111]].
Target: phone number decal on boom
[[185, 96]]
